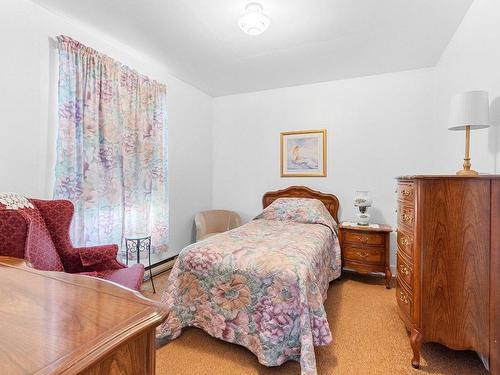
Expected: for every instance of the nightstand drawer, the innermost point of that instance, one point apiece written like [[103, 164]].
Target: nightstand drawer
[[364, 238], [363, 254], [405, 274]]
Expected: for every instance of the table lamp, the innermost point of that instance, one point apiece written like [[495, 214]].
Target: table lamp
[[469, 110], [363, 201]]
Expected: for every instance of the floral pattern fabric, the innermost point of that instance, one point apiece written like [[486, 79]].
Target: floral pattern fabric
[[261, 285], [111, 148], [299, 210]]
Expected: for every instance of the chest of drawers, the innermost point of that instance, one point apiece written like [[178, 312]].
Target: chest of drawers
[[366, 249], [448, 241]]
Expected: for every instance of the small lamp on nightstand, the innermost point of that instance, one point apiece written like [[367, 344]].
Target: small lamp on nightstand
[[469, 111], [363, 201]]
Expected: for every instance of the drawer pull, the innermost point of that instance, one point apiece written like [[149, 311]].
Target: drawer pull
[[405, 193], [363, 239], [404, 270], [362, 254], [403, 298], [406, 218]]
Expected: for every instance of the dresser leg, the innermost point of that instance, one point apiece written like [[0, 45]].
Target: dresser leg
[[388, 278], [416, 344]]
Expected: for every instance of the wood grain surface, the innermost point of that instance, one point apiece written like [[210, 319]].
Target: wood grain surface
[[366, 250], [456, 223], [448, 262], [59, 323], [495, 280]]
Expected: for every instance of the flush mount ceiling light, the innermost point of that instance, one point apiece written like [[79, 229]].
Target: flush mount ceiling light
[[253, 22]]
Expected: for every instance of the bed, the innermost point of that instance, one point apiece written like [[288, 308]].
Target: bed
[[262, 285]]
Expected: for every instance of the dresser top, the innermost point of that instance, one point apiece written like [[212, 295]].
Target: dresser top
[[55, 322], [451, 176]]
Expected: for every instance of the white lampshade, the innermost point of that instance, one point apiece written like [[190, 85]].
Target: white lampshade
[[470, 108]]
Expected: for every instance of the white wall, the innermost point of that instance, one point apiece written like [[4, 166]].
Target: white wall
[[471, 62], [378, 128], [28, 127]]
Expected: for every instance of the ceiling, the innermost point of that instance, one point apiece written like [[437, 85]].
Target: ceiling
[[308, 40]]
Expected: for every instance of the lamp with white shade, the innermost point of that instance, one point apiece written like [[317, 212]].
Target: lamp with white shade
[[469, 111]]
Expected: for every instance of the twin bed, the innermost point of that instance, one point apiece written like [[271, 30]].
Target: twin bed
[[262, 285]]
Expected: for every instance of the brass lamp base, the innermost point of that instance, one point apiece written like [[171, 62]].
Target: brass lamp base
[[467, 171]]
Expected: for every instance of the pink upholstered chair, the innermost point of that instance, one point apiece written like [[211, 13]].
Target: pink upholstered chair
[[38, 231]]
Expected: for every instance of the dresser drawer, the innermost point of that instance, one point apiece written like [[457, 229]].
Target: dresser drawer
[[405, 243], [405, 302], [405, 192], [405, 273], [406, 216], [363, 254], [364, 238]]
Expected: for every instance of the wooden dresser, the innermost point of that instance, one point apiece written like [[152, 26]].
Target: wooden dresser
[[366, 249], [448, 240], [58, 323]]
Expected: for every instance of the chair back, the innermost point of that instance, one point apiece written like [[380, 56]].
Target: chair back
[[215, 221], [57, 215], [13, 233], [24, 235]]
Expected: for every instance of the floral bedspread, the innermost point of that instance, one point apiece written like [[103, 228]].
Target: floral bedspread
[[261, 286]]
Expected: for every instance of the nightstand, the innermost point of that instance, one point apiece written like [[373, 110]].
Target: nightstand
[[366, 249]]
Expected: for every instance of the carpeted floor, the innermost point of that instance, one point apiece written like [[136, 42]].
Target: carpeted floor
[[369, 338]]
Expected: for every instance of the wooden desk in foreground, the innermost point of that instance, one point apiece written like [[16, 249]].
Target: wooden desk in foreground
[[58, 323]]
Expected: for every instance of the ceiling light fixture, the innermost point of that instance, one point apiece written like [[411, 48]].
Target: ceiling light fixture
[[253, 22]]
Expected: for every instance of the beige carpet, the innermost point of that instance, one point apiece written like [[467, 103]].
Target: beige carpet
[[369, 338]]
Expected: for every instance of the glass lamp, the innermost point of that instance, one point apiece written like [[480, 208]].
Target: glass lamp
[[362, 201], [469, 111]]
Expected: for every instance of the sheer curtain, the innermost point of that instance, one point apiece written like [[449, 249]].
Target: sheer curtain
[[111, 148]]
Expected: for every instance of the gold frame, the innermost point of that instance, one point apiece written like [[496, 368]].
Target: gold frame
[[298, 132]]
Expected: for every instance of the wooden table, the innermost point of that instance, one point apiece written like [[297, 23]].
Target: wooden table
[[59, 323]]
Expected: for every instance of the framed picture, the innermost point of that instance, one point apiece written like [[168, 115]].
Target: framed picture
[[303, 153]]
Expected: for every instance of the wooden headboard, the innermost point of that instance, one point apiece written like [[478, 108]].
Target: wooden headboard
[[330, 201]]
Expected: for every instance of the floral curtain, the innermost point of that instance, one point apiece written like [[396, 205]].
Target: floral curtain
[[111, 148]]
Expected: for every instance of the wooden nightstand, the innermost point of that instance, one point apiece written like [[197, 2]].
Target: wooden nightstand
[[366, 249]]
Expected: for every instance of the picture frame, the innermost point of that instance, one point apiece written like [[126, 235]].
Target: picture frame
[[303, 153]]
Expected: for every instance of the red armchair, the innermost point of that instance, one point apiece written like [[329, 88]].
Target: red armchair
[[41, 236]]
